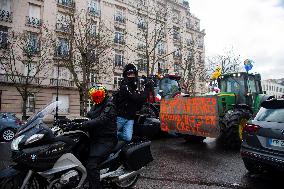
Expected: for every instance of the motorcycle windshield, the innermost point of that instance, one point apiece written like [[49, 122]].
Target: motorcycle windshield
[[48, 109]]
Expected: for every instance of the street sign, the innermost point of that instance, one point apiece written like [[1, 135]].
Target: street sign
[[190, 115]]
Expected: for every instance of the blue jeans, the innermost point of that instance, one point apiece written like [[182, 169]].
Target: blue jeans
[[124, 129]]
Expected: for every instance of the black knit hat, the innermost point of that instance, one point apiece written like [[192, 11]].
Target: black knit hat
[[130, 68]]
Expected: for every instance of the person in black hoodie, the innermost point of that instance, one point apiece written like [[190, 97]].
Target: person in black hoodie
[[130, 101], [103, 132]]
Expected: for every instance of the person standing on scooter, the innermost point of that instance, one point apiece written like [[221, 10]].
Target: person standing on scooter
[[129, 101], [103, 132]]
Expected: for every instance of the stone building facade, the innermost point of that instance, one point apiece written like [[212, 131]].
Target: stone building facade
[[31, 15]]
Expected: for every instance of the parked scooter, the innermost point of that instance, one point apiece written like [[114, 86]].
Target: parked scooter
[[55, 157]]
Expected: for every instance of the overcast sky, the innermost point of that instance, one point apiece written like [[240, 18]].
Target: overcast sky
[[255, 29]]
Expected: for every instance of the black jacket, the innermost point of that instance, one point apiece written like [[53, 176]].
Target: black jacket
[[102, 123], [130, 101]]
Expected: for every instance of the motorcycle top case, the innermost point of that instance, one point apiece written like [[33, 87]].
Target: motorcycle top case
[[137, 155]]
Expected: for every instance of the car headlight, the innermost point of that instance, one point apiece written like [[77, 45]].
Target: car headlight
[[34, 138], [16, 141]]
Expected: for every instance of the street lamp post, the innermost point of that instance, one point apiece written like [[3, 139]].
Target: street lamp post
[[56, 111]]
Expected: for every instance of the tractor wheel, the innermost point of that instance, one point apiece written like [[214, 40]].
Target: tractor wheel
[[234, 122]]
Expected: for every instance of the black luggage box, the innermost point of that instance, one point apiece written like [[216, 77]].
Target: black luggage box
[[137, 155]]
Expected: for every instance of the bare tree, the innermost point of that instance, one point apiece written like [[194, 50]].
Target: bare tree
[[89, 56], [149, 43], [26, 61], [191, 66], [228, 61]]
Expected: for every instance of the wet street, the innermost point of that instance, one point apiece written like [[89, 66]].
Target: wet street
[[180, 165]]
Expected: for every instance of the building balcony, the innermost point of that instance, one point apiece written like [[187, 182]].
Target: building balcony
[[62, 83], [141, 26], [94, 12], [32, 50], [62, 27], [60, 54], [66, 3], [119, 41], [19, 79], [119, 19], [33, 22], [5, 16]]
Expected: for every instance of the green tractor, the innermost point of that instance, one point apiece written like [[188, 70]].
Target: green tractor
[[239, 99]]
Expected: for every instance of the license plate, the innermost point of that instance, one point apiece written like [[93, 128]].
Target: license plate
[[276, 142]]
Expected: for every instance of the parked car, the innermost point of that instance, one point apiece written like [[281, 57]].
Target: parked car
[[263, 139], [9, 125]]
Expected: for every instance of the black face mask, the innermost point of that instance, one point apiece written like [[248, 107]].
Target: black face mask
[[132, 82]]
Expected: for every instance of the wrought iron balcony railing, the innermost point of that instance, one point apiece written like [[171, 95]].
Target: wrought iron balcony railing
[[33, 22], [5, 16], [62, 83], [119, 18], [66, 3], [62, 54], [63, 27], [19, 79], [119, 41], [94, 11]]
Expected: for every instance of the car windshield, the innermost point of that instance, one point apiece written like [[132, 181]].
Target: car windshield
[[270, 115], [233, 84]]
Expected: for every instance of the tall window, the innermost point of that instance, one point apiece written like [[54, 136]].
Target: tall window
[[33, 46], [61, 73], [177, 53], [62, 48], [161, 48], [34, 16], [176, 16], [30, 69], [141, 24], [94, 8], [63, 22], [68, 3], [118, 37], [3, 37], [118, 60], [161, 66], [93, 29], [119, 15], [117, 80], [30, 104], [176, 33], [93, 77], [142, 64], [5, 10], [5, 5]]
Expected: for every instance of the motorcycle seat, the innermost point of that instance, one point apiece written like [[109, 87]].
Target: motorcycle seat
[[118, 146]]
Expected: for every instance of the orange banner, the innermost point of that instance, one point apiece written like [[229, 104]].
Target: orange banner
[[190, 115]]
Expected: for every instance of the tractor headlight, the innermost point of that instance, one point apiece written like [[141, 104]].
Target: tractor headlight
[[16, 141], [34, 138]]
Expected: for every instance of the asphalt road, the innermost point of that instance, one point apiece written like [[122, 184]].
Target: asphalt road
[[181, 165]]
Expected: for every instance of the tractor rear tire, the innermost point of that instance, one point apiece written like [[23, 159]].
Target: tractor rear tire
[[234, 121]]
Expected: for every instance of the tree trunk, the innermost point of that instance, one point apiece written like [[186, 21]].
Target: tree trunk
[[24, 109], [81, 93]]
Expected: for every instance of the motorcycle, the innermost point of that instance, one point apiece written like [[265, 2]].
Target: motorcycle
[[55, 157]]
